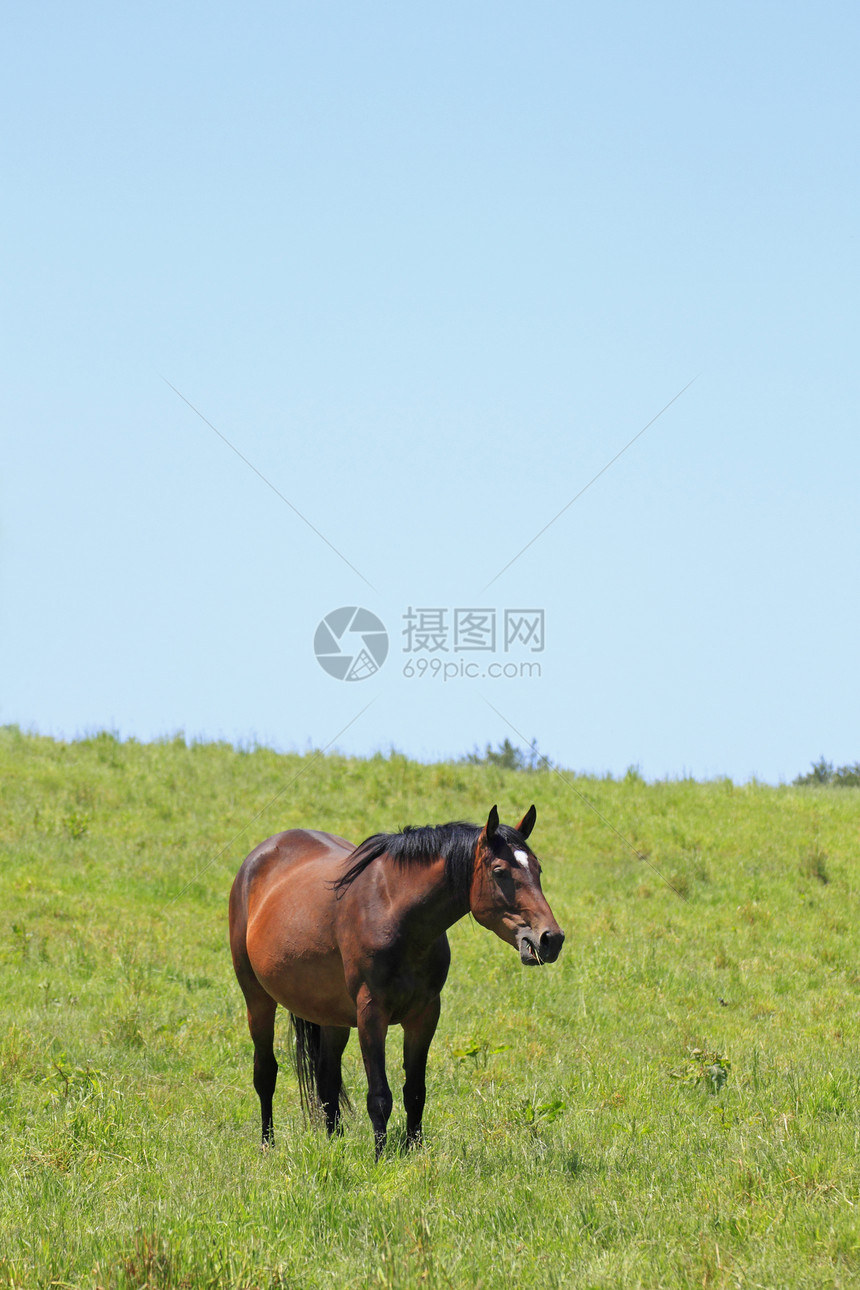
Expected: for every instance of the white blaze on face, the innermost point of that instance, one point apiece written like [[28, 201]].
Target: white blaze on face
[[522, 858]]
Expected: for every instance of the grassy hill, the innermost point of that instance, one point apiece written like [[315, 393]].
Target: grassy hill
[[674, 1103]]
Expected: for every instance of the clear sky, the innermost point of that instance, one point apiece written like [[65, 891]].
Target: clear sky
[[428, 269]]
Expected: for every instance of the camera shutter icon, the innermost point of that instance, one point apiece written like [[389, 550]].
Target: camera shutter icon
[[351, 643]]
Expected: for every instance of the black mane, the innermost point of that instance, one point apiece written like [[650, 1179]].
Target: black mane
[[420, 845]]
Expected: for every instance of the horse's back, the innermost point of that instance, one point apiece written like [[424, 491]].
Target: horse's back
[[285, 850], [273, 867], [282, 923]]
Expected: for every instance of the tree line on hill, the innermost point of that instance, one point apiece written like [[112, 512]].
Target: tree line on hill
[[824, 772], [509, 757]]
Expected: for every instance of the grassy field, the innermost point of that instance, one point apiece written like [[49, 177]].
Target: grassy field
[[676, 1102]]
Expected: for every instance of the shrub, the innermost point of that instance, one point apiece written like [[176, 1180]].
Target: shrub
[[823, 772]]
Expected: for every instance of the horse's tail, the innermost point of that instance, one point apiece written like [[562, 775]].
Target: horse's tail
[[307, 1058]]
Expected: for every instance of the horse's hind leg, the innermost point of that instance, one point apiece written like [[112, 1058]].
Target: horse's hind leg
[[261, 1023], [329, 1082], [261, 1006], [418, 1034]]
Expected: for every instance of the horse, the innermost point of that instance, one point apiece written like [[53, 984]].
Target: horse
[[350, 937]]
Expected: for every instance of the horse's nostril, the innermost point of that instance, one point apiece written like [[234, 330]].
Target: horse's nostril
[[550, 944]]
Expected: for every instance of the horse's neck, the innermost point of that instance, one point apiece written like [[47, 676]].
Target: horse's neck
[[431, 906]]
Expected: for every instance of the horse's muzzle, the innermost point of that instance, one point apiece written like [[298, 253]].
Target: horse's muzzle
[[537, 950]]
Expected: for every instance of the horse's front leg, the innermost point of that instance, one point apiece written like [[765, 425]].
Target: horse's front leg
[[372, 1030], [418, 1034]]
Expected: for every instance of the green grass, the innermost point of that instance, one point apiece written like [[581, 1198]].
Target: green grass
[[579, 1133]]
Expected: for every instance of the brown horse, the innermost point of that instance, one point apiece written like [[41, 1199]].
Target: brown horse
[[343, 937]]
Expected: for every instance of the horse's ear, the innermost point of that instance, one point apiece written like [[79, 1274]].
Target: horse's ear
[[492, 822], [527, 823]]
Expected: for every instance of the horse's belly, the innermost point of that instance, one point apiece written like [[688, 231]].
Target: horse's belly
[[307, 984]]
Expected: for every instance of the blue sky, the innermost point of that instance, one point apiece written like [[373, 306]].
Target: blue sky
[[428, 269]]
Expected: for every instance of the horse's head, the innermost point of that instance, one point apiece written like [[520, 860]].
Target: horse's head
[[506, 894]]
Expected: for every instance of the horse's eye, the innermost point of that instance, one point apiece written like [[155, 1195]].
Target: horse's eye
[[501, 872]]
